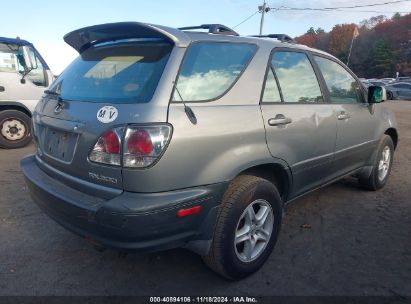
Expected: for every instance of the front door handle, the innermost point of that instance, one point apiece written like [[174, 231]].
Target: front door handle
[[2, 89], [279, 120], [343, 116]]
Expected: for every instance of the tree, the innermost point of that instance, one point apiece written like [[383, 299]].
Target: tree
[[382, 47], [373, 21], [319, 30], [384, 61], [396, 17], [362, 55], [308, 40], [311, 31], [314, 38], [340, 39]]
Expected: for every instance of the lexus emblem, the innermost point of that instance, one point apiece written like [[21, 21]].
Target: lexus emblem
[[59, 107]]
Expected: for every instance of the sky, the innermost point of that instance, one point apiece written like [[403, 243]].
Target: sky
[[45, 22]]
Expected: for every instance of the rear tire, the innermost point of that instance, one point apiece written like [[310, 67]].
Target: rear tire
[[15, 129], [382, 166], [247, 227], [390, 96]]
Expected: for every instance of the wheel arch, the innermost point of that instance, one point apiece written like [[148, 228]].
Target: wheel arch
[[392, 132], [15, 105], [276, 173]]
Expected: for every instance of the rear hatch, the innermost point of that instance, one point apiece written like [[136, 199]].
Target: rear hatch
[[109, 86]]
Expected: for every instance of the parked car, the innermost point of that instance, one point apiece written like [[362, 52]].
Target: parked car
[[156, 138], [403, 79], [24, 75], [365, 82], [378, 83], [372, 82], [399, 90], [387, 80]]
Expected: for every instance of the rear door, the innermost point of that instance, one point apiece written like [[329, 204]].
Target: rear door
[[355, 118], [300, 126]]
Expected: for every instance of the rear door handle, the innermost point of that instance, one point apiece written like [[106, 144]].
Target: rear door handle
[[279, 120], [2, 89], [343, 116]]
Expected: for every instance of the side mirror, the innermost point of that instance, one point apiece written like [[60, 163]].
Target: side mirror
[[376, 94]]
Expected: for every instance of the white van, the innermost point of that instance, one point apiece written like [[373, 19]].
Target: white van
[[24, 75]]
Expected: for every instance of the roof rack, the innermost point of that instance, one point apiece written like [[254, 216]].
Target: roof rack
[[212, 29], [281, 37]]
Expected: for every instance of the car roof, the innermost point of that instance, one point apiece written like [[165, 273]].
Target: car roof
[[83, 38], [270, 42], [17, 41]]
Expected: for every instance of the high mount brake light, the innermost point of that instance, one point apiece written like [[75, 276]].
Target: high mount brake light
[[142, 146]]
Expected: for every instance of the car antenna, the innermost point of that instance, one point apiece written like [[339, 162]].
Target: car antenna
[[189, 112]]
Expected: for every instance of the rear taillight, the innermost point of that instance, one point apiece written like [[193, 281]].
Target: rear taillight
[[139, 143], [142, 146], [107, 149]]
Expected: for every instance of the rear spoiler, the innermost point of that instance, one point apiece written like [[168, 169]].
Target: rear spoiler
[[83, 38]]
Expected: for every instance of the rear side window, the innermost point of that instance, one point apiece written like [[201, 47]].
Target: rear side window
[[117, 73], [296, 77], [402, 86], [209, 69], [342, 86], [271, 93]]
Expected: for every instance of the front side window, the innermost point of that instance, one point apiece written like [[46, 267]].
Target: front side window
[[12, 60], [124, 72], [209, 69], [296, 77], [342, 86]]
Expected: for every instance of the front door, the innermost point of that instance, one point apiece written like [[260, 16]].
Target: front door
[[356, 121], [12, 88]]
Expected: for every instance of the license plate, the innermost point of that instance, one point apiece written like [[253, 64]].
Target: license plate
[[60, 144]]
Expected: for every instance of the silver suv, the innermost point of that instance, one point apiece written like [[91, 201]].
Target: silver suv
[[157, 138]]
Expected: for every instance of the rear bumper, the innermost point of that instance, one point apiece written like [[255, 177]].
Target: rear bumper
[[131, 221]]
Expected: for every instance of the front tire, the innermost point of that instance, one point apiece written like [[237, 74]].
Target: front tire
[[390, 96], [382, 166], [247, 227], [15, 129]]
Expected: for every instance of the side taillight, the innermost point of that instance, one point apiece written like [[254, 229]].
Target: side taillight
[[140, 148], [143, 145]]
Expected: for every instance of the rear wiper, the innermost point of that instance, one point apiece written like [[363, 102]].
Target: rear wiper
[[189, 112]]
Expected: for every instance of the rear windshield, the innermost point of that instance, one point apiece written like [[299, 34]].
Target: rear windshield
[[115, 73]]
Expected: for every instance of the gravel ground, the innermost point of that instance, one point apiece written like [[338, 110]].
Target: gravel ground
[[359, 243]]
